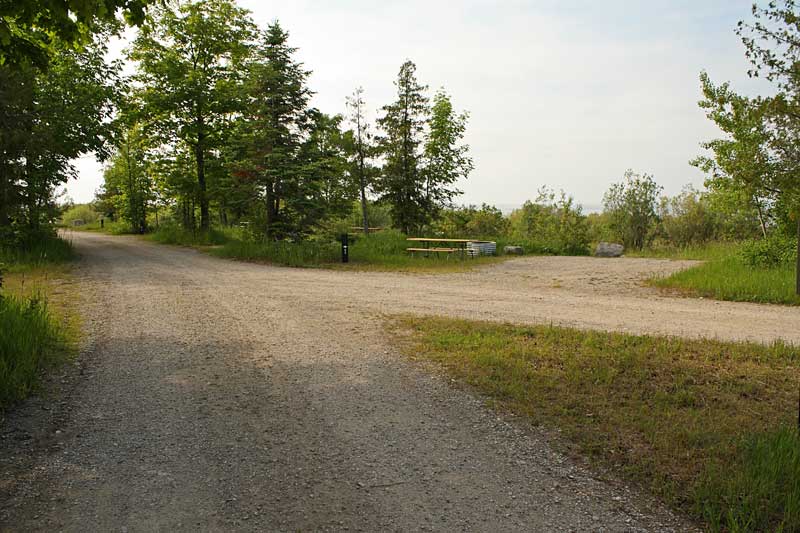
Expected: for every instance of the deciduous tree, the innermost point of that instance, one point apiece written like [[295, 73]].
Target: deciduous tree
[[32, 31], [446, 157], [189, 64], [631, 205]]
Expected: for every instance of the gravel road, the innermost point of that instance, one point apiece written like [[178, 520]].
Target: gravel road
[[214, 395]]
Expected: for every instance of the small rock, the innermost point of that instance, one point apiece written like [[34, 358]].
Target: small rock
[[513, 250]]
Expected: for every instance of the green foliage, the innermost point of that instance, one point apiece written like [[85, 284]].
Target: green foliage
[[631, 207], [402, 182], [687, 219], [363, 170], [729, 278], [446, 158], [35, 249], [295, 155], [172, 233], [189, 67], [599, 228], [32, 31], [30, 340], [551, 225], [83, 212], [127, 180], [296, 254], [486, 222], [740, 170], [47, 120], [739, 215], [775, 251]]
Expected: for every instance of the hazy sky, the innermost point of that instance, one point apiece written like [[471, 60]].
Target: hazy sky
[[565, 94]]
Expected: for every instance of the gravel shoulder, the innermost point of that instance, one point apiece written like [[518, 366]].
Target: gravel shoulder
[[216, 395]]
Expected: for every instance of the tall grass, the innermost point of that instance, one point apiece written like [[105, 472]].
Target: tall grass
[[30, 340], [175, 234], [302, 254], [730, 279], [31, 336], [727, 275], [42, 249], [706, 425], [702, 252], [760, 491]]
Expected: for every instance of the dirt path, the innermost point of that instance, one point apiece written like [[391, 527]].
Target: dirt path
[[215, 395]]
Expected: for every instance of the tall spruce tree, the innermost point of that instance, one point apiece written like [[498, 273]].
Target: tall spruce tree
[[446, 157], [276, 122], [189, 65], [402, 183]]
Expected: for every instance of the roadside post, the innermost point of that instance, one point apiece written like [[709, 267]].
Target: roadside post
[[345, 249]]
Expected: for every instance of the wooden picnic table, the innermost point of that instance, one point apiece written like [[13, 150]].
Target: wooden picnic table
[[455, 245]]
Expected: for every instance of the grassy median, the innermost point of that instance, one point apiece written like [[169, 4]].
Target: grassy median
[[708, 426]]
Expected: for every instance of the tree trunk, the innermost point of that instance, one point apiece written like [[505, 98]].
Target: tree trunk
[[797, 271], [33, 194], [761, 220], [363, 184], [268, 230], [205, 223], [4, 217]]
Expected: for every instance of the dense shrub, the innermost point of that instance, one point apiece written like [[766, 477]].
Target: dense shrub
[[486, 222], [774, 251], [599, 228], [304, 253], [631, 206], [686, 219], [551, 225]]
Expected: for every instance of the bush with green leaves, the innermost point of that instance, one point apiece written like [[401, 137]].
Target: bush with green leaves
[[599, 228], [631, 207], [687, 219], [553, 224], [486, 222], [775, 251]]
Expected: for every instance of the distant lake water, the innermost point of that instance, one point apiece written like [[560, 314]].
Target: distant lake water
[[506, 209]]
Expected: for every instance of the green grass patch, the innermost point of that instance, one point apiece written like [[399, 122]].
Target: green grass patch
[[174, 234], [39, 324], [31, 339], [384, 251], [708, 426], [303, 254], [45, 249], [703, 252], [730, 279]]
